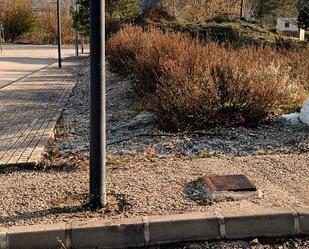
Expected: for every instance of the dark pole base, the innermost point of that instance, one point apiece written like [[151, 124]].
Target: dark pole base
[[96, 202]]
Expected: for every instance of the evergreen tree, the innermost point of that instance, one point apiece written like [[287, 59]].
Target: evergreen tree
[[81, 18], [303, 16], [278, 8], [117, 13]]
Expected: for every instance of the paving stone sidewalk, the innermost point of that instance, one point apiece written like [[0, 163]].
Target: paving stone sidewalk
[[29, 110]]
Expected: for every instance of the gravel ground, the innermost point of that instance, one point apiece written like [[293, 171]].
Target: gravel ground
[[132, 130], [156, 174]]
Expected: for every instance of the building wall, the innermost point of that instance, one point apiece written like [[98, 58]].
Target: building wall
[[282, 24]]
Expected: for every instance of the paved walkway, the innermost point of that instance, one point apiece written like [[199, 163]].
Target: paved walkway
[[29, 110], [17, 61]]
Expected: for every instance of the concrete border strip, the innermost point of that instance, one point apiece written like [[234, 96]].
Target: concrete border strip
[[4, 243], [296, 221], [154, 230], [146, 230], [303, 215], [222, 226], [68, 236]]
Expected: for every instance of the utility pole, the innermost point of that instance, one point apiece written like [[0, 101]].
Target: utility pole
[[59, 34], [97, 102]]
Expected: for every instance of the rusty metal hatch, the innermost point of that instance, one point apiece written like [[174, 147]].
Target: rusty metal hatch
[[234, 183]]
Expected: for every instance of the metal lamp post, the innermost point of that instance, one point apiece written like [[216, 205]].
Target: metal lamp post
[[97, 102], [59, 34], [76, 32], [1, 36], [241, 9]]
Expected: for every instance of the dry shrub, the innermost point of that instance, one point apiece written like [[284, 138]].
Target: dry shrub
[[299, 63], [17, 18], [45, 31], [190, 85], [201, 10], [49, 26]]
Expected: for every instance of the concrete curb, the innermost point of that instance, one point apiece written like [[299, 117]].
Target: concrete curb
[[153, 230]]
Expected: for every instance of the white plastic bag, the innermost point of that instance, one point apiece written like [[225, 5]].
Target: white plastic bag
[[304, 113]]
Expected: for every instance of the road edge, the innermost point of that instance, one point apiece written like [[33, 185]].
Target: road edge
[[154, 230]]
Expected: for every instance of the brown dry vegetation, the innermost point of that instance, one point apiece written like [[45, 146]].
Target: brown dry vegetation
[[45, 29], [201, 10], [25, 25], [190, 85]]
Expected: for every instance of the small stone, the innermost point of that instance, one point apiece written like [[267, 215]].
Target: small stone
[[259, 193], [254, 242]]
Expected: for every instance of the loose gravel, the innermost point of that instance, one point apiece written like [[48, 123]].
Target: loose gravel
[[132, 130], [153, 174]]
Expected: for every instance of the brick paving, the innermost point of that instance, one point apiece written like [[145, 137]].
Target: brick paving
[[29, 110]]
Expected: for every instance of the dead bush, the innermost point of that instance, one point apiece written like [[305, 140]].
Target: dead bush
[[189, 85], [17, 18], [45, 30]]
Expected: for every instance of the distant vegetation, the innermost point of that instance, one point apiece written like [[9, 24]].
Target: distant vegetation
[[118, 13], [203, 10], [17, 17], [23, 24], [235, 31]]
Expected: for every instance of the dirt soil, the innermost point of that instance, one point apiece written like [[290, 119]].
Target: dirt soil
[[152, 174]]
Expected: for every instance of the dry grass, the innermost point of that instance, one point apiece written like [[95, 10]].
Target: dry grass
[[190, 85]]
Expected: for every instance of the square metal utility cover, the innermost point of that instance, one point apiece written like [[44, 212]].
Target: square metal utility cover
[[234, 183]]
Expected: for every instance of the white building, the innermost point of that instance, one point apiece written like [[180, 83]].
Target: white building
[[287, 24]]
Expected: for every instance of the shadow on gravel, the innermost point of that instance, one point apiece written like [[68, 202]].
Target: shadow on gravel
[[39, 168], [41, 213], [76, 204]]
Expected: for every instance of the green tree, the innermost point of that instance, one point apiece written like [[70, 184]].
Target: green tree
[[17, 17], [81, 18], [303, 16], [118, 12], [278, 8]]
